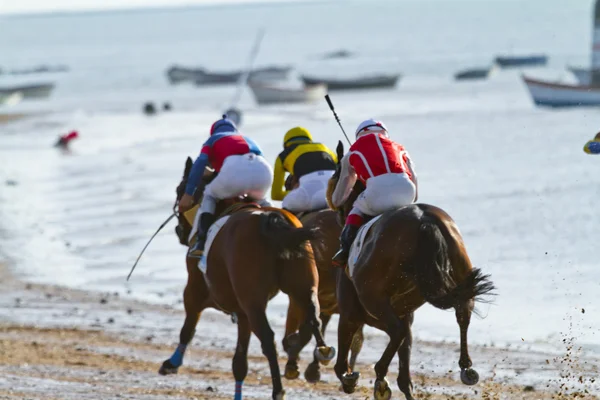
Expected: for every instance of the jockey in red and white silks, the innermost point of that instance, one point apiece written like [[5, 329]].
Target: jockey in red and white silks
[[388, 173]]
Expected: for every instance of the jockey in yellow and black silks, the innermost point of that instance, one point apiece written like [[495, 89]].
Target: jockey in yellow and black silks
[[311, 164]]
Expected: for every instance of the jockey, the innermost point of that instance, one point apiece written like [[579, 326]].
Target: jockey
[[241, 169], [593, 146], [311, 164], [387, 172]]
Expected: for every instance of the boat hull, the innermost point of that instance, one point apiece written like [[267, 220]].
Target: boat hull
[[265, 94], [378, 82], [562, 95], [525, 61], [39, 91]]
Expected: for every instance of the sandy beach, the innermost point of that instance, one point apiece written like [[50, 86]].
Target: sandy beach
[[58, 343]]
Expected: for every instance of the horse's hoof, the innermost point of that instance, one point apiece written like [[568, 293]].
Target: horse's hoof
[[324, 354], [279, 396], [349, 381], [167, 368], [291, 372], [469, 376], [382, 390], [312, 373]]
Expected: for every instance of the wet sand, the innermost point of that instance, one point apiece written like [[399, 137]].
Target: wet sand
[[59, 343]]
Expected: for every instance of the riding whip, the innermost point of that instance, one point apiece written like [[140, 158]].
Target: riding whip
[[153, 236], [337, 118]]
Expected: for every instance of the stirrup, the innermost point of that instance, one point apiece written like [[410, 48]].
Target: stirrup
[[340, 259], [196, 252]]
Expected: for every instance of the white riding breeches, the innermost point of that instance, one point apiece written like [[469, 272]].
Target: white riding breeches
[[383, 193], [240, 175], [310, 194]]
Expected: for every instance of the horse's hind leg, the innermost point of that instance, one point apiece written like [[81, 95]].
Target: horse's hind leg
[[397, 330], [356, 347], [240, 359], [404, 383], [195, 299], [468, 376], [260, 326], [296, 338], [312, 373]]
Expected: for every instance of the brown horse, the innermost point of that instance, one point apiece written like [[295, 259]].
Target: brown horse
[[271, 252], [410, 256], [328, 224]]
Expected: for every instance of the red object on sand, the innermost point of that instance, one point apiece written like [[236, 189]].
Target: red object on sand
[[72, 135]]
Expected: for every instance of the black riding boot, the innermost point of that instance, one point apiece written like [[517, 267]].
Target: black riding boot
[[340, 259], [206, 220]]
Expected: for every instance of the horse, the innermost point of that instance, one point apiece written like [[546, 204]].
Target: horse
[[328, 224], [271, 252], [411, 255]]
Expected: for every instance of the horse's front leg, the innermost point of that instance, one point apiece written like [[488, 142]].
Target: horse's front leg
[[195, 299], [347, 328], [468, 375]]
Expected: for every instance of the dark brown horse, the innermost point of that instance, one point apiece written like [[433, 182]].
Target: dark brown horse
[[411, 255], [328, 224], [257, 253]]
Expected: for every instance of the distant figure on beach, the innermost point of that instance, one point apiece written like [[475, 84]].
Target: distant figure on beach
[[167, 106], [593, 146], [64, 140], [149, 108]]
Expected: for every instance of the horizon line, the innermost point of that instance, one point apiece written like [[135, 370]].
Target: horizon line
[[132, 8]]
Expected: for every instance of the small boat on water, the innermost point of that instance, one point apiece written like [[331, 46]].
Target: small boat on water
[[32, 91], [365, 82], [521, 61], [201, 76], [10, 99], [474, 73], [266, 93], [39, 70], [562, 95]]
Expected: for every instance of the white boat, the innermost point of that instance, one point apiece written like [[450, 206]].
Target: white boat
[[562, 95], [271, 94], [32, 91], [11, 99]]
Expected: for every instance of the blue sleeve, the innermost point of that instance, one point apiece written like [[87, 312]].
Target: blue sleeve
[[253, 146], [196, 173]]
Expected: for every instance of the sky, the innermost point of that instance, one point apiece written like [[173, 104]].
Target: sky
[[36, 6]]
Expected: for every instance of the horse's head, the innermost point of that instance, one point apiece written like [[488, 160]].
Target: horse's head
[[183, 228], [358, 188]]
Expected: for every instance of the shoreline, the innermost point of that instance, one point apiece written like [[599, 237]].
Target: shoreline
[[66, 343]]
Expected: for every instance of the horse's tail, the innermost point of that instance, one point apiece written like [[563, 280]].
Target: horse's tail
[[288, 240], [432, 270]]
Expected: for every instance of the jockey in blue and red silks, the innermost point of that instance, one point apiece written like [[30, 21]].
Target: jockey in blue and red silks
[[388, 173], [240, 168]]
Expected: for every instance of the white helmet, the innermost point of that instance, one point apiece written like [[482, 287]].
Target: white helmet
[[371, 126]]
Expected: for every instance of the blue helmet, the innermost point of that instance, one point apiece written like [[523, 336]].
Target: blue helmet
[[223, 125]]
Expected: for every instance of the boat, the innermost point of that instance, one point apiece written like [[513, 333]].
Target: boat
[[39, 70], [583, 75], [474, 73], [366, 82], [266, 93], [562, 95], [32, 91], [11, 99], [201, 76], [521, 61]]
